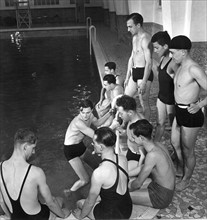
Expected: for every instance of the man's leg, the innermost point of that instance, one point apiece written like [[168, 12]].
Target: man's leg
[[131, 88], [144, 100], [175, 141], [141, 197], [161, 117], [78, 167], [170, 113], [188, 138]]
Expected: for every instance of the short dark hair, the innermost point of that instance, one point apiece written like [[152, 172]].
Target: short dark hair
[[110, 78], [142, 127], [25, 135], [111, 65], [106, 136], [136, 17], [162, 38], [86, 103], [127, 103]]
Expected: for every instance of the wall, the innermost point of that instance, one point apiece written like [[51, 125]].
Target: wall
[[198, 30]]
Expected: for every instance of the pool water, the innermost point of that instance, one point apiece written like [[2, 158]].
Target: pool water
[[42, 80]]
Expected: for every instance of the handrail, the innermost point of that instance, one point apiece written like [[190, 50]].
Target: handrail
[[92, 27], [88, 24]]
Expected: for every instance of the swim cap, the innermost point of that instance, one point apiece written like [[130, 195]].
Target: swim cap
[[180, 42]]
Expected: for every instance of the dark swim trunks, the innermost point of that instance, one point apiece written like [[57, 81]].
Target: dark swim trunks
[[74, 150], [138, 73], [186, 119], [160, 196], [132, 156]]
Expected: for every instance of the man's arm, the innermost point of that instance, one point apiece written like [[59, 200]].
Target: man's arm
[[46, 194], [201, 78], [155, 65], [103, 90], [145, 172], [129, 68], [118, 92], [85, 129], [3, 205], [148, 63], [96, 183], [98, 122]]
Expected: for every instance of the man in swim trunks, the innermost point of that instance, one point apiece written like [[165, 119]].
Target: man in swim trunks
[[126, 107], [73, 144], [165, 71], [159, 192], [21, 183], [109, 181], [189, 80], [139, 72]]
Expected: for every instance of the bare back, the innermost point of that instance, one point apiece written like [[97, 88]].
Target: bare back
[[110, 174], [13, 175], [118, 90], [163, 171]]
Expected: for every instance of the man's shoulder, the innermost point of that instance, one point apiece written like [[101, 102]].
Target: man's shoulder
[[77, 122], [118, 87], [100, 172], [36, 170], [194, 66]]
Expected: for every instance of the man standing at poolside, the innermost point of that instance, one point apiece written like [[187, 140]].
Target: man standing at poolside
[[139, 73], [189, 80]]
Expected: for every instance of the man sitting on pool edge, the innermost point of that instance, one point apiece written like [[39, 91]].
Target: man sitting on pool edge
[[159, 192]]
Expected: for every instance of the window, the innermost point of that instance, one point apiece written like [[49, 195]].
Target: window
[[9, 3], [46, 2]]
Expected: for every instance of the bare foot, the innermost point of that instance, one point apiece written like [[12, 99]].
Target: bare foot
[[182, 185]]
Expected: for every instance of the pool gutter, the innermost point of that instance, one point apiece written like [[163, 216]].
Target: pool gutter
[[100, 56], [45, 31]]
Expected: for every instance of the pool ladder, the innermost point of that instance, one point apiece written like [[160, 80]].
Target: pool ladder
[[91, 29]]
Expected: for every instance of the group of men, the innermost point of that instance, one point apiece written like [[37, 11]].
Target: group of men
[[20, 182]]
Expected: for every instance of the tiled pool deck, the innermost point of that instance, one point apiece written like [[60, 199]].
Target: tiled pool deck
[[192, 202]]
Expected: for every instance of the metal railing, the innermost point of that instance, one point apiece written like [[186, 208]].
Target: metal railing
[[92, 29], [88, 24]]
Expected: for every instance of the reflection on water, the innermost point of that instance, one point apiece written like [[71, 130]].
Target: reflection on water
[[81, 92], [16, 38], [42, 85]]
